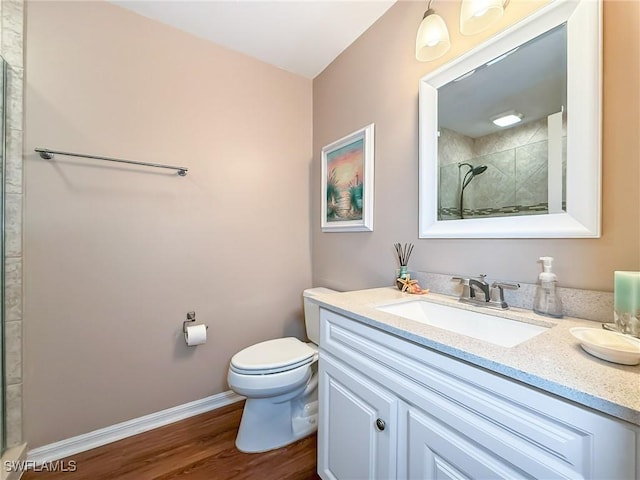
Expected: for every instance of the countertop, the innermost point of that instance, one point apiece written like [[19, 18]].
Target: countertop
[[553, 361]]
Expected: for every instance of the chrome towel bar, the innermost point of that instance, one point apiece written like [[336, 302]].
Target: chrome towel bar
[[47, 154]]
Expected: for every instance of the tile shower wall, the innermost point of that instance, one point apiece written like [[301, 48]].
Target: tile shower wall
[[515, 181], [11, 48]]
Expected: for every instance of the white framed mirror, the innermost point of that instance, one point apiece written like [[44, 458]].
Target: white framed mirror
[[557, 96]]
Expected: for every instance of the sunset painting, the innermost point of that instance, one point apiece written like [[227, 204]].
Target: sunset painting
[[347, 183], [344, 182]]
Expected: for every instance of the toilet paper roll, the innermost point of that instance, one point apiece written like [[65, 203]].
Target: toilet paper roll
[[195, 335]]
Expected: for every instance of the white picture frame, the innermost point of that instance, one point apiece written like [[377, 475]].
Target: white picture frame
[[347, 183], [582, 218]]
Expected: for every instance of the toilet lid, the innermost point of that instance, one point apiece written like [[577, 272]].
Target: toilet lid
[[273, 356]]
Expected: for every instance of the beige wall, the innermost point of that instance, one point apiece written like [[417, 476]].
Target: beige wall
[[115, 255], [376, 80]]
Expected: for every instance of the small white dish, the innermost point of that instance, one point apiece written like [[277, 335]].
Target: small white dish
[[610, 346]]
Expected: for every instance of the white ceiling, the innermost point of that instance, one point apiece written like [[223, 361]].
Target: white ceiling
[[531, 81], [300, 36]]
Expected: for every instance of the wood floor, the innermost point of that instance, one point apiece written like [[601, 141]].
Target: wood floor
[[198, 448]]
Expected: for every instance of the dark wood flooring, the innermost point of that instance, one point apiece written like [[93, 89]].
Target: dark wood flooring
[[198, 448]]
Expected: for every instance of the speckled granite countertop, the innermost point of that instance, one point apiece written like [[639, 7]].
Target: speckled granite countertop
[[553, 361]]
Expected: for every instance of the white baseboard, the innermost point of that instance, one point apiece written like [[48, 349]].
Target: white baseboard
[[87, 441]]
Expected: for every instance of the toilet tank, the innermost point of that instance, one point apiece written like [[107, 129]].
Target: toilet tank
[[312, 312]]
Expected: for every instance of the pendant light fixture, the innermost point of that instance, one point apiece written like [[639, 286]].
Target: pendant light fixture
[[432, 40], [478, 15]]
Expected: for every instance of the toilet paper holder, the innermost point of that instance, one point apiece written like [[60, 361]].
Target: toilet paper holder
[[191, 317]]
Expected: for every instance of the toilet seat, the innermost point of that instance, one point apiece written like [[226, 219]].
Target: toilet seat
[[273, 356]]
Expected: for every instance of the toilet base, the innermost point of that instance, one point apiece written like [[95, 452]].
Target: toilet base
[[267, 425]]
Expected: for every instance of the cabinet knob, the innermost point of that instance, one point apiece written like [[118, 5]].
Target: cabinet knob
[[380, 424]]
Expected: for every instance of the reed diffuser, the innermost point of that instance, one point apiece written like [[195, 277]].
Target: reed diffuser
[[404, 252], [403, 279]]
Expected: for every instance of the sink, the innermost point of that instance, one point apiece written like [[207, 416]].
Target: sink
[[483, 326]]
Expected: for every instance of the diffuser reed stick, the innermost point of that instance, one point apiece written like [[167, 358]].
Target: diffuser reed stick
[[404, 252]]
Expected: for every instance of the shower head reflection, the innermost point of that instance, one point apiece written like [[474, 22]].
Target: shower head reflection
[[468, 176]]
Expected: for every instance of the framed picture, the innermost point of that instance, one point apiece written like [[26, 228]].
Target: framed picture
[[347, 183]]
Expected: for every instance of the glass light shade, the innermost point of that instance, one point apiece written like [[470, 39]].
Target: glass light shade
[[478, 15], [432, 40]]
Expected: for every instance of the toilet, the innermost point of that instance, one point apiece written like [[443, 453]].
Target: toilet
[[279, 378]]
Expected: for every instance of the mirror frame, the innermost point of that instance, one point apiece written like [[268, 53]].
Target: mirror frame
[[584, 118]]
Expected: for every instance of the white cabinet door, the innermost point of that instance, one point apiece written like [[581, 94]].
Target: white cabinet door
[[446, 419], [357, 432], [435, 451]]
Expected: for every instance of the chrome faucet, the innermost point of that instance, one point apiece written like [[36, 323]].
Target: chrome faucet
[[497, 293], [479, 286], [492, 296]]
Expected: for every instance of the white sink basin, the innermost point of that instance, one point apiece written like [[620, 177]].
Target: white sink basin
[[483, 326]]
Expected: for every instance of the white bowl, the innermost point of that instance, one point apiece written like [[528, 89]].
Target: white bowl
[[610, 346]]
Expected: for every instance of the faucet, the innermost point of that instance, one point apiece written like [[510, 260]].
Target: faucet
[[497, 293], [492, 296], [479, 286]]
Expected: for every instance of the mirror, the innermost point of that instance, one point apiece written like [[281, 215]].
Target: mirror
[[538, 177], [497, 150]]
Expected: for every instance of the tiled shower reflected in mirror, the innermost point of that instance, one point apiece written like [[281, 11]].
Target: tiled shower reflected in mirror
[[515, 181]]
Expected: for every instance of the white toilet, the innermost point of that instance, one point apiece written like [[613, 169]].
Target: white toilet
[[279, 378]]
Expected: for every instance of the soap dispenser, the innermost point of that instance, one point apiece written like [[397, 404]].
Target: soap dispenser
[[547, 301]]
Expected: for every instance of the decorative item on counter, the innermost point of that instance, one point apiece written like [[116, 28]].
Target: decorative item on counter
[[410, 286], [404, 252], [626, 299], [403, 280]]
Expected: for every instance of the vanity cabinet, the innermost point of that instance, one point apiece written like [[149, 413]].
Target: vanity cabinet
[[361, 418], [391, 408]]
